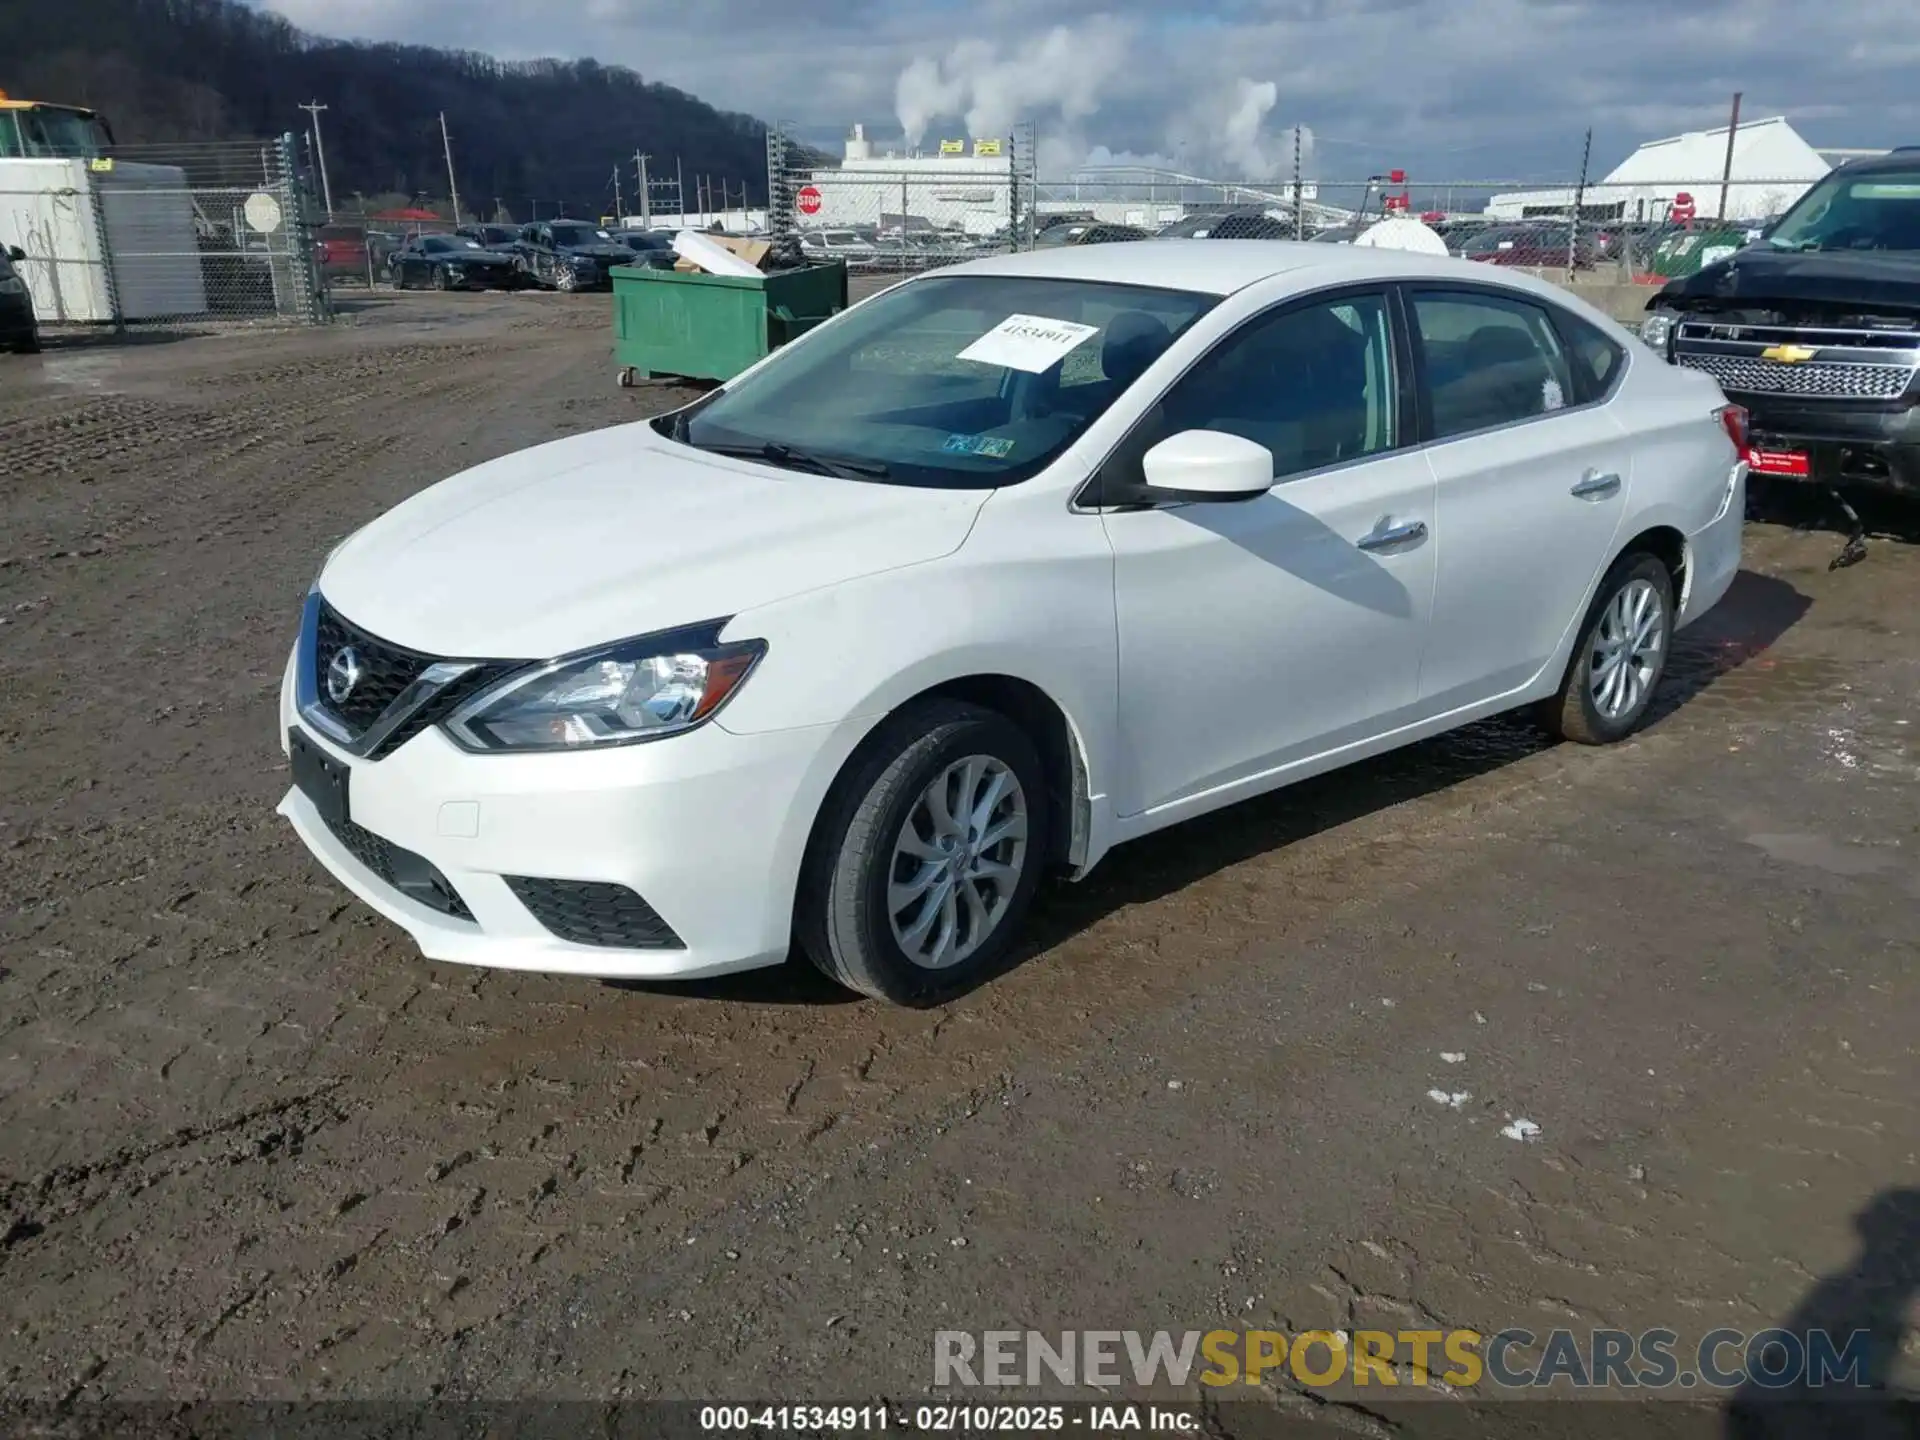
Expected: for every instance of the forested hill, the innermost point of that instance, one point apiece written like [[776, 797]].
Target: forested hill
[[165, 70]]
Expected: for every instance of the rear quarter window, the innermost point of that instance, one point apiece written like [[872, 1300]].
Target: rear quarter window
[[1597, 359]]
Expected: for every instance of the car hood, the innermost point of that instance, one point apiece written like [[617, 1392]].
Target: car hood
[[1760, 275], [617, 533], [616, 253]]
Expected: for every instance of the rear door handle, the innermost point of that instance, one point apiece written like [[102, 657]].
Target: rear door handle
[[1392, 537], [1596, 486]]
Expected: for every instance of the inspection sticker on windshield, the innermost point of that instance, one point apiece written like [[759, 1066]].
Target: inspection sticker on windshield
[[994, 447], [1028, 342]]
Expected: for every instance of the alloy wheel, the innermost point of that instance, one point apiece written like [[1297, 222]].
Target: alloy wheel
[[957, 861], [1627, 647]]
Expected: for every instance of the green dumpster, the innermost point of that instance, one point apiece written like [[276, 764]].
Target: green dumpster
[[711, 327], [1688, 251]]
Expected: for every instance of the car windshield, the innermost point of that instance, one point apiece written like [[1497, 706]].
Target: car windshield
[[963, 382], [577, 234], [1879, 210]]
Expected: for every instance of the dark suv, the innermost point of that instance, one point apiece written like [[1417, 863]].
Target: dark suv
[[570, 255], [1815, 329], [19, 330]]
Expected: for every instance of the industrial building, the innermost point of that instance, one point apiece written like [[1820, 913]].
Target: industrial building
[[1772, 167], [967, 187]]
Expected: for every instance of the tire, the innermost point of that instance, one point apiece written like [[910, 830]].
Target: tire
[[440, 281], [565, 281], [28, 343], [843, 918], [1577, 711]]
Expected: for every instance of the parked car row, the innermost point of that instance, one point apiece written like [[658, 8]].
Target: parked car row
[[561, 255]]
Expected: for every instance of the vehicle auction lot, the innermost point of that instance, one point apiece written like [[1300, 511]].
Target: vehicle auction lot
[[252, 1145]]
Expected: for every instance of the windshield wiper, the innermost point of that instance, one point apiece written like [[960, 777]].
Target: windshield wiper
[[791, 457]]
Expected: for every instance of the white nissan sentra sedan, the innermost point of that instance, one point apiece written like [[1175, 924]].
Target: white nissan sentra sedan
[[996, 570]]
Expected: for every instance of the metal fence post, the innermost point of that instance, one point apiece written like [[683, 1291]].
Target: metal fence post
[[780, 221], [1579, 203], [297, 204]]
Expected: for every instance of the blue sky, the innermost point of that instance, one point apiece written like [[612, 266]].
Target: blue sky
[[1448, 89]]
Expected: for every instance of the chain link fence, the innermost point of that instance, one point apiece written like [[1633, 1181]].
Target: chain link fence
[[887, 209], [200, 234]]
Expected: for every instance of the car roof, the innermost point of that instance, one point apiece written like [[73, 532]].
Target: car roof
[[1906, 158], [1220, 267]]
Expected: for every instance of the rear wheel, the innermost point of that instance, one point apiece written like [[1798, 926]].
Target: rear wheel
[[926, 855], [27, 342], [1620, 656]]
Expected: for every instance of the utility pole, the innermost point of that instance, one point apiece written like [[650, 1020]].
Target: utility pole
[[646, 192], [1726, 175], [619, 210], [313, 109], [453, 186], [680, 191]]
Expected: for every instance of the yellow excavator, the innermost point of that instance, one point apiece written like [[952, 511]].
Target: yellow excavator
[[36, 130]]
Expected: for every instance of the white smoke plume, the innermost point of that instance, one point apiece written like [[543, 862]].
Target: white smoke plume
[[1060, 76]]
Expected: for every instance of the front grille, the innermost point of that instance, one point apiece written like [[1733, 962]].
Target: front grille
[[1835, 380], [386, 670], [414, 876], [592, 912]]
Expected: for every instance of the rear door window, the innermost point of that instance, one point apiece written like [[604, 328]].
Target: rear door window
[[1489, 360]]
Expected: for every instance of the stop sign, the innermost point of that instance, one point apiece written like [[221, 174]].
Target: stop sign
[[809, 199], [1682, 208]]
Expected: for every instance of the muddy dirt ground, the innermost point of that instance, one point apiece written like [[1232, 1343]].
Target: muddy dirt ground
[[252, 1145]]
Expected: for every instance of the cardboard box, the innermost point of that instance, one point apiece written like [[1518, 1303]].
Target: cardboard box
[[718, 254]]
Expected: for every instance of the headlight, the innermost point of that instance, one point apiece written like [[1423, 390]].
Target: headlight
[[1656, 331], [639, 689]]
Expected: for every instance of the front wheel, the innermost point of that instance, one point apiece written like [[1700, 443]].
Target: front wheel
[[564, 279], [1620, 656], [926, 855]]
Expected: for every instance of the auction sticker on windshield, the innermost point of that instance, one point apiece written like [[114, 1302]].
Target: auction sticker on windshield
[[1028, 342]]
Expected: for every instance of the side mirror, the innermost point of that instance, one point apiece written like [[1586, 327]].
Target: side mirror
[[1207, 465], [15, 253]]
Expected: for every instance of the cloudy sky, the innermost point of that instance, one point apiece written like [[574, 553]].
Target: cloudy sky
[[1448, 89]]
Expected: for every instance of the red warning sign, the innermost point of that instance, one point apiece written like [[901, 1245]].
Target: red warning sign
[[809, 200]]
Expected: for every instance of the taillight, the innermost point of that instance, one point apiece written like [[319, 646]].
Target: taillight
[[1734, 419]]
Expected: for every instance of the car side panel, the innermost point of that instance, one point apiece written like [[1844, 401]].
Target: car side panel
[[1028, 595]]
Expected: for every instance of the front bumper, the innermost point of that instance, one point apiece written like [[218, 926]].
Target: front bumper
[[708, 828], [1850, 445]]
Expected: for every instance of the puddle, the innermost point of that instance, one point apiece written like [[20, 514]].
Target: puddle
[[1820, 853]]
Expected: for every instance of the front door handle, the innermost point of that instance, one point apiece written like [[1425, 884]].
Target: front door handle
[[1393, 537], [1597, 486]]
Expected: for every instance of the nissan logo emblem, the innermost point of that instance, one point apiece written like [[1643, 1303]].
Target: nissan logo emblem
[[343, 673]]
